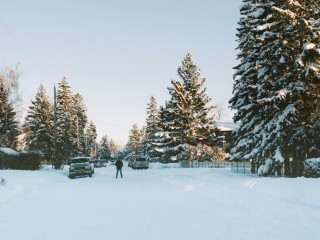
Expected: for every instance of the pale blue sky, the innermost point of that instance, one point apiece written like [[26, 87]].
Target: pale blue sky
[[117, 54]]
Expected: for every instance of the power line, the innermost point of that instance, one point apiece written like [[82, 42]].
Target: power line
[[111, 124], [23, 49], [26, 53], [39, 68]]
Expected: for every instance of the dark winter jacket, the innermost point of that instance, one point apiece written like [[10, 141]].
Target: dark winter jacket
[[119, 164]]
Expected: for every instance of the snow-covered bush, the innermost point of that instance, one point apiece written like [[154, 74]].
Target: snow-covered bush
[[266, 169], [270, 167], [203, 152], [312, 168]]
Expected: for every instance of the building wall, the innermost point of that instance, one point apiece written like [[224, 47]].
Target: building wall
[[5, 160], [227, 144]]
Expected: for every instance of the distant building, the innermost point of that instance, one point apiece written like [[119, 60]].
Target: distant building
[[22, 142], [225, 134], [6, 155]]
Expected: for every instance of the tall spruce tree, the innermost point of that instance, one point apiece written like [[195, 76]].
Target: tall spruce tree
[[152, 127], [91, 137], [80, 120], [271, 96], [134, 145], [309, 66], [186, 118], [104, 148], [245, 80], [39, 123], [65, 123]]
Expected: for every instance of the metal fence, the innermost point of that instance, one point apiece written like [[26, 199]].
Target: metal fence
[[204, 164], [252, 168], [243, 167]]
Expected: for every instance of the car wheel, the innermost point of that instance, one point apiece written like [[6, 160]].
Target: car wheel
[[90, 175], [71, 177]]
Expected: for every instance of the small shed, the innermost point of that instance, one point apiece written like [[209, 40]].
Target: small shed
[[6, 155]]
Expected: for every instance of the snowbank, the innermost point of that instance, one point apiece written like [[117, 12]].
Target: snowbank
[[312, 168], [163, 202]]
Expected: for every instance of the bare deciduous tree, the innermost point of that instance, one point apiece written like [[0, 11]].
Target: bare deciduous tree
[[220, 111], [10, 76]]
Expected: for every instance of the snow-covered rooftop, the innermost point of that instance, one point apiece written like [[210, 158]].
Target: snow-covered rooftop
[[226, 126], [9, 151]]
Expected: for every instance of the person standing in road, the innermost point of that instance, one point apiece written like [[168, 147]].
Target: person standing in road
[[119, 165]]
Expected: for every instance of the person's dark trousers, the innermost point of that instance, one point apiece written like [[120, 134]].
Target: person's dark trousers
[[119, 170]]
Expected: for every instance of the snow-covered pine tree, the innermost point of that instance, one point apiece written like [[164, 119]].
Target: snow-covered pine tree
[[104, 148], [8, 122], [152, 127], [309, 67], [134, 145], [164, 142], [245, 81], [91, 137], [80, 121], [269, 90], [65, 123], [185, 119], [292, 101], [194, 107], [39, 122]]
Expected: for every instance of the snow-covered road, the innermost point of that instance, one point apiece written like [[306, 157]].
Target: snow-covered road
[[162, 203]]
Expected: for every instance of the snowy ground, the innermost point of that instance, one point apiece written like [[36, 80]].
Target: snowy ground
[[161, 203]]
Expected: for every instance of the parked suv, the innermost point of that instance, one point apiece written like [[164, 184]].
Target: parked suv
[[140, 163], [131, 159], [81, 166]]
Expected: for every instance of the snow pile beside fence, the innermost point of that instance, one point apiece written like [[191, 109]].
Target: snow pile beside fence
[[312, 168]]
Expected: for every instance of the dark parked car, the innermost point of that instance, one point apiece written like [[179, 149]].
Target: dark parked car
[[81, 166], [97, 163], [103, 162]]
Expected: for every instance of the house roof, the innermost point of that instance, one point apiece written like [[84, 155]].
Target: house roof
[[9, 151], [226, 126]]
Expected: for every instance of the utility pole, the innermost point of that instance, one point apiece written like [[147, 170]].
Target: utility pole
[[86, 142], [78, 143], [55, 125]]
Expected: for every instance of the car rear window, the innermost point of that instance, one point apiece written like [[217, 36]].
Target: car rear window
[[141, 159], [79, 160]]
